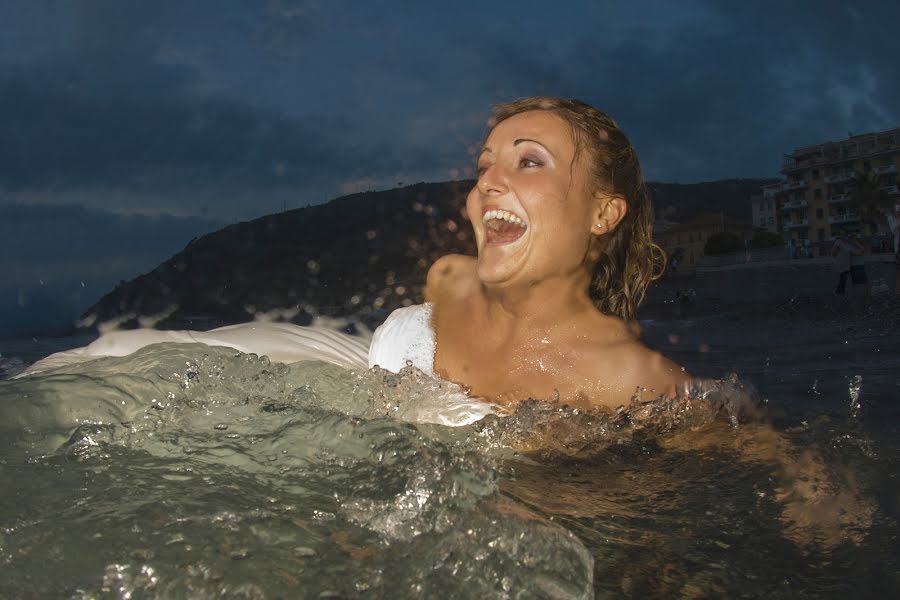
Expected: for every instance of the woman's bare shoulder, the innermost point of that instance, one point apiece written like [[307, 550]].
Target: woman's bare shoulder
[[448, 274], [649, 370], [623, 365]]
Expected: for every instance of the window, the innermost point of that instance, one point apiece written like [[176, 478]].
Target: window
[[819, 213], [820, 234], [815, 173], [817, 194], [867, 166]]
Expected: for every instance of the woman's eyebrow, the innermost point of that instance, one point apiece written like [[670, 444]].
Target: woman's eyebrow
[[520, 140], [487, 150]]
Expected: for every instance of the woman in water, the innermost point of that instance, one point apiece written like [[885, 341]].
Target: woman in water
[[547, 310]]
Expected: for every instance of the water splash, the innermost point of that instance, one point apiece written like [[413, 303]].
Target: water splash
[[551, 429], [195, 468], [854, 389]]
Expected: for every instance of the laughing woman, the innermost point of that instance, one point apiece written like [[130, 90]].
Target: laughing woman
[[562, 223]]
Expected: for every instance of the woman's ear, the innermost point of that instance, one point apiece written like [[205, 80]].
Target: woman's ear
[[608, 213]]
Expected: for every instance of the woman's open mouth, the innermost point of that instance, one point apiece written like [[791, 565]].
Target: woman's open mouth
[[502, 227]]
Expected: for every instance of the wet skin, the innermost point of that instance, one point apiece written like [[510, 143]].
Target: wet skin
[[517, 322]]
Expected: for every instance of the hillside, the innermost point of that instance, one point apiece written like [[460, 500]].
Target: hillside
[[686, 200], [365, 254]]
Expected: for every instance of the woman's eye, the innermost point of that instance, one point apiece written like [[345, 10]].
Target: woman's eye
[[527, 163], [480, 170]]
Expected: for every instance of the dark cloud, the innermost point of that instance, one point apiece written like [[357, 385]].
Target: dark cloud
[[58, 260], [113, 110], [34, 234], [236, 98], [726, 90], [53, 136]]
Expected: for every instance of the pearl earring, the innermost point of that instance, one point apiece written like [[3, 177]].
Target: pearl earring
[[599, 224]]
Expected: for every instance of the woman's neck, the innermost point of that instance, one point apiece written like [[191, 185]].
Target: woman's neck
[[538, 304]]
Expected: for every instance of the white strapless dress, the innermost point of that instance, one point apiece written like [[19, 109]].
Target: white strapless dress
[[406, 338]]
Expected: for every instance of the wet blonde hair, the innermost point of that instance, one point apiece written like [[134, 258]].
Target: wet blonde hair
[[627, 259]]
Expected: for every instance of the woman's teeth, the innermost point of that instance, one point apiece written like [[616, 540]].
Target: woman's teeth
[[503, 215]]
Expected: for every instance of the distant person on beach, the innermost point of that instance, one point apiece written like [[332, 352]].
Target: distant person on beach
[[840, 251], [894, 226], [858, 273], [849, 261]]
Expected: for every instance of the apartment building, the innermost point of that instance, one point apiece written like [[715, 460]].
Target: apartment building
[[813, 201], [765, 212]]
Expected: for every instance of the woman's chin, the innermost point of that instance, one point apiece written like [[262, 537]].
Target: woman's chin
[[495, 270]]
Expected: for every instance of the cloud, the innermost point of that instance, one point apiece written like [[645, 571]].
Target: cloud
[[58, 260], [724, 91], [39, 233], [118, 113], [267, 99], [53, 137]]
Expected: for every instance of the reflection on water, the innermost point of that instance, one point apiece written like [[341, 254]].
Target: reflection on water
[[188, 471]]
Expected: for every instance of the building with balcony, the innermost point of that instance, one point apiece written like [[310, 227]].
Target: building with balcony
[[765, 212], [814, 199]]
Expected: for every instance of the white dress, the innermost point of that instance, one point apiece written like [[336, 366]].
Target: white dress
[[404, 339]]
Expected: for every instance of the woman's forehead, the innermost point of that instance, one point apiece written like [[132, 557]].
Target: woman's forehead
[[542, 126]]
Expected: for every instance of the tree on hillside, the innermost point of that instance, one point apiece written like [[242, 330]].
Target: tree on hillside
[[766, 239], [722, 243], [869, 200]]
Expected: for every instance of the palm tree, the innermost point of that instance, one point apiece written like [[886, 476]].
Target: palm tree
[[869, 200]]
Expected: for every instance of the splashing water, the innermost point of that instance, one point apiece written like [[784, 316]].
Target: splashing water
[[187, 470], [184, 467], [855, 389]]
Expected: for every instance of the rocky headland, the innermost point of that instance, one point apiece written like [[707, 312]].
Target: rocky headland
[[361, 255]]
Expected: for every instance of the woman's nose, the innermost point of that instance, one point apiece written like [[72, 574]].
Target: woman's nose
[[491, 181]]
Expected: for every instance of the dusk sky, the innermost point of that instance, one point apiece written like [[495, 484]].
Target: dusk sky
[[168, 119]]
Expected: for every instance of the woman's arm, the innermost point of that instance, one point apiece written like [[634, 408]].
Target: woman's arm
[[821, 504]]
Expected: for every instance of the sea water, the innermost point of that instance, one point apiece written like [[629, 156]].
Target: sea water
[[188, 471]]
